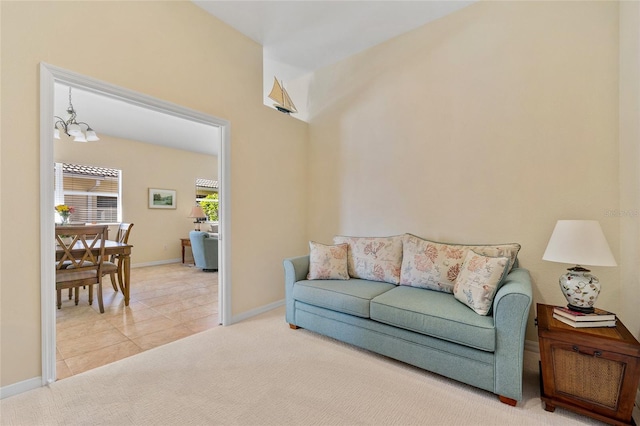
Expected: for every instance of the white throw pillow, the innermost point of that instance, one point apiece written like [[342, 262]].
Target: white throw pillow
[[478, 281]]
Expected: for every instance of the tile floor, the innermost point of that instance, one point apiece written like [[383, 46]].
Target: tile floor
[[167, 303]]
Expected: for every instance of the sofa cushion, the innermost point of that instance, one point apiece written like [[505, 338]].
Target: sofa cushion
[[351, 296], [434, 314], [432, 265], [478, 281], [374, 258], [327, 262]]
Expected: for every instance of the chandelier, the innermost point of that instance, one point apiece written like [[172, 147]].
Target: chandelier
[[72, 128]]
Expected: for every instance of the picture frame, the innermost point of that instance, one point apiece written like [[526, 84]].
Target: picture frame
[[162, 198]]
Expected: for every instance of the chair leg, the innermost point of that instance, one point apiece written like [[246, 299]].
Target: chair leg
[[77, 289], [91, 295], [70, 293], [100, 304], [59, 298], [112, 277]]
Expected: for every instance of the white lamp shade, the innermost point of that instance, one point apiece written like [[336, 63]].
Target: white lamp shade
[[79, 138], [91, 136], [579, 242], [74, 130], [56, 133]]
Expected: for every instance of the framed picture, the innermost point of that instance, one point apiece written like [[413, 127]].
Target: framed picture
[[162, 198]]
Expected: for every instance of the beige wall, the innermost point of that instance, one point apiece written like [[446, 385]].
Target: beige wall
[[173, 51], [485, 126], [157, 232]]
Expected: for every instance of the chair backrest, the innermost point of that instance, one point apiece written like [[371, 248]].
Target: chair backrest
[[79, 249], [123, 232]]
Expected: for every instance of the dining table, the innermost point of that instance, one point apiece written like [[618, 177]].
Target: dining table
[[123, 252]]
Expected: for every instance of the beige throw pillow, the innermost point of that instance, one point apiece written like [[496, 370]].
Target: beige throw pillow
[[478, 281], [327, 262]]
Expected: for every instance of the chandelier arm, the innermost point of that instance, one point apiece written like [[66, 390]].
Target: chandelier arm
[[60, 121]]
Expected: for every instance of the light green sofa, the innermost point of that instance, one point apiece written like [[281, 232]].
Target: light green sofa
[[424, 328], [204, 247]]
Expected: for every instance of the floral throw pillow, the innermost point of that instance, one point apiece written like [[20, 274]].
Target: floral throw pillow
[[478, 281], [374, 258], [435, 266], [327, 262]]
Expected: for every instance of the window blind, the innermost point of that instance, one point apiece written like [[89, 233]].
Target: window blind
[[93, 192]]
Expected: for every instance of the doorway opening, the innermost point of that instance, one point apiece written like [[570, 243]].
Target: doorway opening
[[49, 76]]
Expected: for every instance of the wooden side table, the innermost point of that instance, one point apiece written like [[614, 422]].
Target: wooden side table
[[592, 371], [186, 242]]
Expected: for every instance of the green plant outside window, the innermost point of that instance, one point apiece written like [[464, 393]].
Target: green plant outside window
[[210, 206]]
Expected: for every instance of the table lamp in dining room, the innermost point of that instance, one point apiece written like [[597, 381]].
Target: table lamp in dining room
[[579, 242], [198, 214]]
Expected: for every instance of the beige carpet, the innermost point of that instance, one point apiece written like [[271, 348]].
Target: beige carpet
[[259, 372]]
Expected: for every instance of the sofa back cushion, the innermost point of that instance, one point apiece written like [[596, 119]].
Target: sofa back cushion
[[373, 258], [435, 266]]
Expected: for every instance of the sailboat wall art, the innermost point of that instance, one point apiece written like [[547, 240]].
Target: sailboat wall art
[[281, 97]]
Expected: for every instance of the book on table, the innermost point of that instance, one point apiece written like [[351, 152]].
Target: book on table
[[597, 315], [585, 324]]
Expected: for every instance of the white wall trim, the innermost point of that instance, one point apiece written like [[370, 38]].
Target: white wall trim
[[156, 263], [254, 312], [17, 388], [50, 74]]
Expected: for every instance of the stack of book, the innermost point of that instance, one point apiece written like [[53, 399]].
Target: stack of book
[[599, 318]]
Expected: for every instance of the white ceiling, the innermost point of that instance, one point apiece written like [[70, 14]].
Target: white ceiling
[[309, 35], [120, 119], [303, 35]]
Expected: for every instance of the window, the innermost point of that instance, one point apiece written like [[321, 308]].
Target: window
[[94, 192], [205, 187], [207, 197]]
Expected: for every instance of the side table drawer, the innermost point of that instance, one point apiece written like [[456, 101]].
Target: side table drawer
[[589, 377], [587, 374]]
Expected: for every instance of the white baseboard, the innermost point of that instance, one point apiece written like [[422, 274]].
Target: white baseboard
[[252, 313], [155, 263], [531, 346], [20, 387]]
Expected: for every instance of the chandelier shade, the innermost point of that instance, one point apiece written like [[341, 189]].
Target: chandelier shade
[[72, 127]]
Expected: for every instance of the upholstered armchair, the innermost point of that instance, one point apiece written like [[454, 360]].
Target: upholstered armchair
[[205, 250]]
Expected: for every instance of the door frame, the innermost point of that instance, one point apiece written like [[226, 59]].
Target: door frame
[[50, 74]]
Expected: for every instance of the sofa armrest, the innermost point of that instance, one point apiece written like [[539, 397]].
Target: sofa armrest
[[295, 269], [511, 313]]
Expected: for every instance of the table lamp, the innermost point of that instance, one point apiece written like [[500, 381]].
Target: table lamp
[[579, 242], [198, 214]]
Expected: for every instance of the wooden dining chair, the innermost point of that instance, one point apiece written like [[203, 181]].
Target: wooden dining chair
[[80, 260], [113, 266]]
